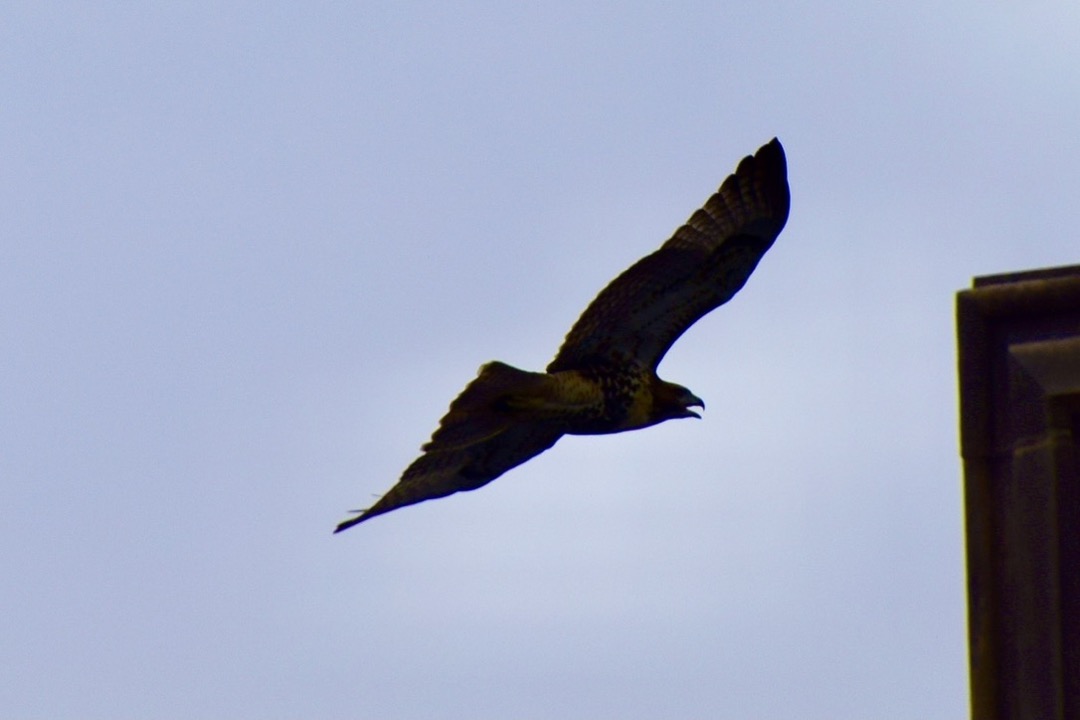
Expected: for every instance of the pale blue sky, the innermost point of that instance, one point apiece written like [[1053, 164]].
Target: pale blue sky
[[251, 251]]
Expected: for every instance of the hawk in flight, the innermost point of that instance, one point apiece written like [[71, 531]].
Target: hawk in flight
[[603, 379]]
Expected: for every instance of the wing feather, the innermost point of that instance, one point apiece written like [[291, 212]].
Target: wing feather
[[644, 310], [444, 470]]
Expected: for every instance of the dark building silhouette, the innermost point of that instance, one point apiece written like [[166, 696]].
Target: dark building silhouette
[[1019, 363]]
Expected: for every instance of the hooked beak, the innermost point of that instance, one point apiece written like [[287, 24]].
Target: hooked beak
[[693, 401]]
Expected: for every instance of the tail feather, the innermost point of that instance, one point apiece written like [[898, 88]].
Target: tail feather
[[501, 419], [486, 407]]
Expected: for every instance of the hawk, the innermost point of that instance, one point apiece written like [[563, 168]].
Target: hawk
[[603, 379]]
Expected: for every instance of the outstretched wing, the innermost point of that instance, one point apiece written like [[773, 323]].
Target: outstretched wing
[[447, 468], [501, 419], [643, 312]]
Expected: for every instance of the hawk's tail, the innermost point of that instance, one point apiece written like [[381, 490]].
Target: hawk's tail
[[487, 406]]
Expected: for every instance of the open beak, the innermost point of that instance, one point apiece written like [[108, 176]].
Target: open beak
[[693, 401]]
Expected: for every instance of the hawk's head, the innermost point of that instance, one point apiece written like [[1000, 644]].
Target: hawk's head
[[671, 401]]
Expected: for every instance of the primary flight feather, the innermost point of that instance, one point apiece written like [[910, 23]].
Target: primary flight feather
[[603, 379]]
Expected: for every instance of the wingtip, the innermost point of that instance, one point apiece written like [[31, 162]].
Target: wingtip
[[773, 148], [769, 165], [346, 524]]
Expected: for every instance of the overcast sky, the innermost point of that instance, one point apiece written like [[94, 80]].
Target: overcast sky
[[250, 251]]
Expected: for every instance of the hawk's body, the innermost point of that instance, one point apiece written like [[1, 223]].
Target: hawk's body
[[603, 380]]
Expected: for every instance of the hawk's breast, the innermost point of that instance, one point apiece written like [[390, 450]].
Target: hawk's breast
[[627, 399]]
